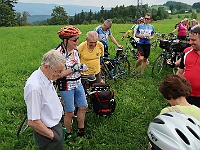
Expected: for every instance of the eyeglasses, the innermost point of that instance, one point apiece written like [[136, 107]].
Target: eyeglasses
[[56, 71], [75, 40], [147, 18]]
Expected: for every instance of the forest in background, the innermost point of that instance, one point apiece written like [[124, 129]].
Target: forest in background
[[118, 14]]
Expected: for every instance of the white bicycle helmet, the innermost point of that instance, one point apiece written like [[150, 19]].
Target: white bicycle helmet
[[174, 131]]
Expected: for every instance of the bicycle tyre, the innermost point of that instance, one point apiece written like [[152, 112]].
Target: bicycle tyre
[[23, 126], [154, 44], [176, 58], [123, 68], [158, 64], [135, 54]]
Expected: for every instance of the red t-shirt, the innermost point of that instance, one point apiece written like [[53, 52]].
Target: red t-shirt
[[190, 62]]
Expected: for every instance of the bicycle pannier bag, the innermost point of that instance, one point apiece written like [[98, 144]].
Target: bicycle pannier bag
[[164, 44], [180, 46], [103, 100]]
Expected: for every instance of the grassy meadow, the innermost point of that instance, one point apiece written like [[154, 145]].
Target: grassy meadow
[[138, 98]]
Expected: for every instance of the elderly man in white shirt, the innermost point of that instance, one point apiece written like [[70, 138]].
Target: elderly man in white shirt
[[44, 109]]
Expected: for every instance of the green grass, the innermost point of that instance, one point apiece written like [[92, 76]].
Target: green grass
[[138, 98]]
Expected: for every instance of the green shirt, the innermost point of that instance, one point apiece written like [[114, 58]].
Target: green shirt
[[191, 110]]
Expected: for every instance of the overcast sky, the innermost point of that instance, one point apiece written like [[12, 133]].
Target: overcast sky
[[106, 3]]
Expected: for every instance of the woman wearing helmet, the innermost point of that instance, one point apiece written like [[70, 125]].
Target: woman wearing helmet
[[69, 84], [175, 89], [174, 131]]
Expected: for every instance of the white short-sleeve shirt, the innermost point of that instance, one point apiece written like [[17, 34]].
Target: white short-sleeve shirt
[[42, 100]]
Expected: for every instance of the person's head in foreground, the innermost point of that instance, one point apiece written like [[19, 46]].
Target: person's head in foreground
[[174, 86], [53, 63], [174, 131]]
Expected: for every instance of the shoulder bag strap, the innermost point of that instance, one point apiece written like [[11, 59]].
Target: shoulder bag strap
[[174, 108]]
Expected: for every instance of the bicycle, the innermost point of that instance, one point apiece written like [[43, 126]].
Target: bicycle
[[23, 126], [131, 46], [172, 51], [117, 67], [156, 42]]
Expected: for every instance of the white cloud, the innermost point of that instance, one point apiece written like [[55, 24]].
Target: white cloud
[[106, 3]]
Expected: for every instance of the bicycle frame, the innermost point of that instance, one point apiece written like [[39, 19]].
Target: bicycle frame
[[111, 72], [129, 47], [155, 42], [170, 55], [113, 68]]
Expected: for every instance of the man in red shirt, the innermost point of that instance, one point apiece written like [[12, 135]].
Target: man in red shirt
[[190, 66]]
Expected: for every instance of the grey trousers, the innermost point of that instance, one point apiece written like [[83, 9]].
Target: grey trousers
[[44, 143]]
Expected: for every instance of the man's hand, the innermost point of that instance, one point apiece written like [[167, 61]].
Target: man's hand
[[79, 67]]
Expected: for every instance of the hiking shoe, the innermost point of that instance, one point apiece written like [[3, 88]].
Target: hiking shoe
[[84, 134], [69, 139], [134, 72]]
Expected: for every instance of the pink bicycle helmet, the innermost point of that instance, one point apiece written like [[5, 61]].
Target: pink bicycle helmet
[[67, 32], [174, 131]]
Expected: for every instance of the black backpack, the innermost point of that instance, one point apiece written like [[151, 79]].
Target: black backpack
[[102, 99]]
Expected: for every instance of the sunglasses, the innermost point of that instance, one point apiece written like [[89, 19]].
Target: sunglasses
[[147, 18], [74, 40]]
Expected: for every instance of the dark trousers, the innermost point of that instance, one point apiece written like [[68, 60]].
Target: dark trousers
[[44, 143], [194, 100]]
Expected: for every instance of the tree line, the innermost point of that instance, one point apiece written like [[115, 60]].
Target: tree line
[[118, 14]]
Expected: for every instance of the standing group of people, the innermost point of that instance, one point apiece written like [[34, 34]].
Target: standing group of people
[[67, 62], [183, 27], [182, 91], [44, 108]]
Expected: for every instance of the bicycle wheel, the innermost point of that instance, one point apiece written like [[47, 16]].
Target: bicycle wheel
[[176, 58], [23, 126], [134, 52], [123, 68], [158, 64], [154, 45]]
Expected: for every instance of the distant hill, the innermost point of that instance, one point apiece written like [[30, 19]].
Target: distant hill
[[46, 9], [38, 18], [41, 11]]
